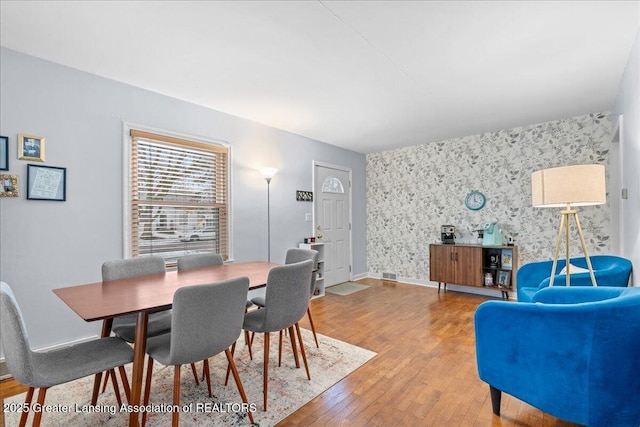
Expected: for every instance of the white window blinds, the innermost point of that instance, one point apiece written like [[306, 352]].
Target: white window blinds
[[179, 197]]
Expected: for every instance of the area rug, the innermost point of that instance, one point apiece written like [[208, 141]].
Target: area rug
[[345, 288], [289, 389]]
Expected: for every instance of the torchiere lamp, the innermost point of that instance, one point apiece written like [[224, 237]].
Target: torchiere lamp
[[268, 174], [568, 187]]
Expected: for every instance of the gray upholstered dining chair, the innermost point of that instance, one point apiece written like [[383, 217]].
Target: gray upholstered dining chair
[[296, 255], [206, 320], [285, 304], [125, 326], [190, 262], [46, 369]]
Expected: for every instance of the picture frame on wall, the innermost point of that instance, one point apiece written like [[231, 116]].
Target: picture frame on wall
[[46, 183], [8, 185], [31, 147], [4, 153]]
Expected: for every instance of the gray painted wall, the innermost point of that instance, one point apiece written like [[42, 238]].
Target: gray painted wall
[[627, 103], [45, 245]]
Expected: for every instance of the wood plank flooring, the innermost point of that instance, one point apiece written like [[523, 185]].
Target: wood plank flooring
[[424, 373]]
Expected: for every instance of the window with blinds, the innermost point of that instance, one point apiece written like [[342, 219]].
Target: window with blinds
[[179, 197]]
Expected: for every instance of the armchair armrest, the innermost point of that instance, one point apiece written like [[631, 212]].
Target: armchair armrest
[[577, 294]]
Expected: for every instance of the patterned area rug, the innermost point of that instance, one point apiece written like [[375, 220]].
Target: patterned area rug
[[345, 288], [289, 389]]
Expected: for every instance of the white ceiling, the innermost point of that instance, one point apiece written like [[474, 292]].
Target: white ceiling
[[363, 75]]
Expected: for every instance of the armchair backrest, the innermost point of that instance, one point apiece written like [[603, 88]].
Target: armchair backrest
[[609, 270]]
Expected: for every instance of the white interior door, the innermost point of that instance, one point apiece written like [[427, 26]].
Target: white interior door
[[332, 204]]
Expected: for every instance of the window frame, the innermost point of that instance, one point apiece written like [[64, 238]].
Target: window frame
[[127, 172]]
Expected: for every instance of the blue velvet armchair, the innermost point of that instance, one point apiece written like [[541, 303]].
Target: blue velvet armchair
[[574, 353], [609, 270]]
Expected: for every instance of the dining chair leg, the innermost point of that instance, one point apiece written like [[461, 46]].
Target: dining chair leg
[[195, 373], [292, 338], [175, 419], [116, 389], [125, 382], [236, 377], [304, 354], [147, 389], [205, 362], [38, 415], [279, 349], [265, 371], [27, 404], [105, 383], [313, 328], [247, 341], [233, 350]]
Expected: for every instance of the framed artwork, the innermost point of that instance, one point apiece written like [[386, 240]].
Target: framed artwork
[[46, 183], [8, 185], [504, 277], [4, 153], [30, 147], [507, 259]]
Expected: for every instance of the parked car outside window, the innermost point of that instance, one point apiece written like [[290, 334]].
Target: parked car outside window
[[206, 233]]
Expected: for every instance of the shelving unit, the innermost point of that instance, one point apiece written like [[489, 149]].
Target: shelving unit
[[318, 246], [473, 265]]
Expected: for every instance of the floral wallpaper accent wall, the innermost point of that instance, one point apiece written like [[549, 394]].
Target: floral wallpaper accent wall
[[412, 191]]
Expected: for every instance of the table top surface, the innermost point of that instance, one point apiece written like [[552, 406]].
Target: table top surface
[[101, 300]]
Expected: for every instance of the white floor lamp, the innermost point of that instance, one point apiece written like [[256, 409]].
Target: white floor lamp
[[568, 187], [268, 174]]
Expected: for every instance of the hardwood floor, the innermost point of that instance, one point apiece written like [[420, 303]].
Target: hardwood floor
[[424, 373]]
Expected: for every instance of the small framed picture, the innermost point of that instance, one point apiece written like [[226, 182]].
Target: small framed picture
[[46, 183], [31, 147], [4, 153], [507, 259], [504, 278], [8, 185]]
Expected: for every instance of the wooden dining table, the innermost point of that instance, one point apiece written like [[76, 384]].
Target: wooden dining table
[[143, 295]]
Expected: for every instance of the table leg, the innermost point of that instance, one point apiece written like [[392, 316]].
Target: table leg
[[139, 350], [106, 331]]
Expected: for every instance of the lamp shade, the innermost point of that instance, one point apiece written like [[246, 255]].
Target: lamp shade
[[268, 173], [579, 185]]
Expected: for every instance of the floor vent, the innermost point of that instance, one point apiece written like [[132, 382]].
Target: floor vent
[[390, 276]]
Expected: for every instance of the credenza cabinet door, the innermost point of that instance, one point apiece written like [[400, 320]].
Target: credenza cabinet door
[[455, 264]]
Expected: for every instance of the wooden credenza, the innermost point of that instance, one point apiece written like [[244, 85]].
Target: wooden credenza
[[470, 265]]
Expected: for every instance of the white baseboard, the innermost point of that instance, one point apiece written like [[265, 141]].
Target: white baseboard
[[459, 288]]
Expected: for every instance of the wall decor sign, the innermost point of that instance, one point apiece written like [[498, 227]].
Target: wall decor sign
[[304, 196], [46, 183], [30, 147], [8, 185], [4, 153]]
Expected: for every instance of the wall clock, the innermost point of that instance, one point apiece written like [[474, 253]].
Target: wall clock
[[475, 200]]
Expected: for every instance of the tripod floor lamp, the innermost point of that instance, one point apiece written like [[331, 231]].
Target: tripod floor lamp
[[268, 174], [568, 187]]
